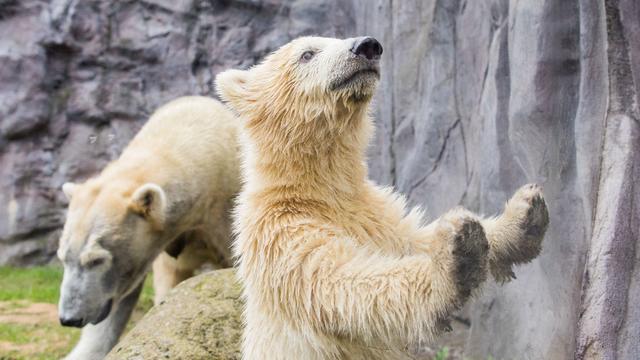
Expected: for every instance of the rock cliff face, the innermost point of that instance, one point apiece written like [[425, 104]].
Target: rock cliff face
[[477, 98]]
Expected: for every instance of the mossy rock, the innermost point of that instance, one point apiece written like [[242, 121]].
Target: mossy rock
[[200, 319]]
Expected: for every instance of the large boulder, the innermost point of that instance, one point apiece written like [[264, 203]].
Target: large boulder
[[200, 319]]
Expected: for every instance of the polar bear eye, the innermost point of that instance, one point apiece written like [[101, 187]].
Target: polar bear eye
[[307, 56], [95, 263]]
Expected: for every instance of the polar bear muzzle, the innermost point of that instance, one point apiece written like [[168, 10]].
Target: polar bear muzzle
[[366, 52], [106, 309]]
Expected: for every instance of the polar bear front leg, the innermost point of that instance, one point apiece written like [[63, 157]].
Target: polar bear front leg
[[515, 237], [97, 340], [345, 288], [167, 273]]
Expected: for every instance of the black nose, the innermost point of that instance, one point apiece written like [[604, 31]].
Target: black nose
[[368, 47], [72, 322]]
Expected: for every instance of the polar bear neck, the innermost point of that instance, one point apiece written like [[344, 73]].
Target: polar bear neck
[[326, 155]]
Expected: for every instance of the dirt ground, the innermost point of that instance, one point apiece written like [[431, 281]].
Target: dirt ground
[[27, 313], [30, 330]]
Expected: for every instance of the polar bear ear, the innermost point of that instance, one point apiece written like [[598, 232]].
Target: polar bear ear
[[150, 202], [232, 87], [67, 189]]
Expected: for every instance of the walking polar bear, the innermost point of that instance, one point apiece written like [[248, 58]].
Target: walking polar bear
[[171, 189], [334, 267]]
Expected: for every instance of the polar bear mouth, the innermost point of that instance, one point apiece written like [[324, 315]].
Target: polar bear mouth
[[356, 75], [104, 312]]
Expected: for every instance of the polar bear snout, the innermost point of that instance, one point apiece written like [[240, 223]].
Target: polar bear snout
[[72, 322], [367, 47], [78, 316], [86, 297]]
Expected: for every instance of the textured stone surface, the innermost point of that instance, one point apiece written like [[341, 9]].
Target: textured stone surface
[[477, 98], [199, 320]]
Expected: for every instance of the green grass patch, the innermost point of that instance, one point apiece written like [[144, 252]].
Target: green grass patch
[[38, 284], [14, 333], [443, 354], [42, 341], [146, 297]]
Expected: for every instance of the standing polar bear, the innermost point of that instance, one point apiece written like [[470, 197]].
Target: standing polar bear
[[333, 266], [171, 189]]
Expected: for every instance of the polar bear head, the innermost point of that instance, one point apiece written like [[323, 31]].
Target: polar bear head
[[111, 230], [311, 79]]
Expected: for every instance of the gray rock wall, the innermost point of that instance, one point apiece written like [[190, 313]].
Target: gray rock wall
[[477, 98]]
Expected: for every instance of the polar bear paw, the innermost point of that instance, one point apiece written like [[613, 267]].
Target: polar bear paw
[[469, 248], [526, 219]]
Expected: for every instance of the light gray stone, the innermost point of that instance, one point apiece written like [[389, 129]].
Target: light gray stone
[[200, 319]]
